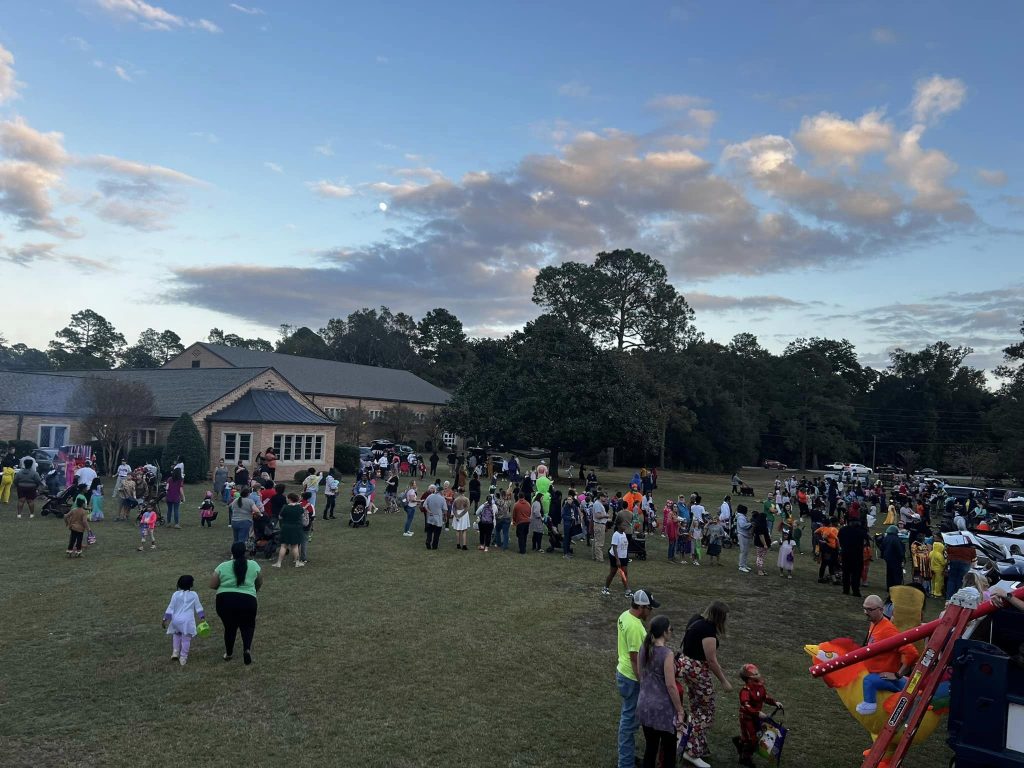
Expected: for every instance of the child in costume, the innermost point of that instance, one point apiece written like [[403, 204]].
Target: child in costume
[[180, 618], [96, 499], [937, 562], [786, 556], [920, 553], [753, 696], [207, 511], [147, 524]]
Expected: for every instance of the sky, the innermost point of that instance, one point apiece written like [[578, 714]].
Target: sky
[[802, 169]]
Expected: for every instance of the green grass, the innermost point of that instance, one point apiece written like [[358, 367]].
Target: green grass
[[380, 653]]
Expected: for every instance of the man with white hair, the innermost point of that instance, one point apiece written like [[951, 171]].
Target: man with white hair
[[436, 506]]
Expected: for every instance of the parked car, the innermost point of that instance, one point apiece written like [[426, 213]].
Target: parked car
[[773, 464], [44, 459], [927, 471], [1006, 501], [379, 447], [836, 466], [860, 469]]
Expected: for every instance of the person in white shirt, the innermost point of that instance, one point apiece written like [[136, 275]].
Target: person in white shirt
[[86, 475], [697, 510], [382, 465], [331, 485], [618, 557], [179, 463], [123, 470], [725, 513]]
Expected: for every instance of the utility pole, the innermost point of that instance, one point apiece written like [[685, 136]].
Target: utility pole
[[874, 446]]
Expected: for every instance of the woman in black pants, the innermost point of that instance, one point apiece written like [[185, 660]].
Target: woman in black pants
[[237, 581]]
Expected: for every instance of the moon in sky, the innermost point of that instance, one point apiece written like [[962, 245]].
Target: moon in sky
[[382, 206]]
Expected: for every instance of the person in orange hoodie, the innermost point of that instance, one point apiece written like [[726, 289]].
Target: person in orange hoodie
[[633, 498], [887, 671]]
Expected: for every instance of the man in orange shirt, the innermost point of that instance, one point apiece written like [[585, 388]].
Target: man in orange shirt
[[887, 671], [828, 547], [632, 498]]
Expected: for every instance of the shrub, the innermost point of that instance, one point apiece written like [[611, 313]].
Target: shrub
[[299, 476], [346, 458], [185, 441], [22, 447], [144, 454]]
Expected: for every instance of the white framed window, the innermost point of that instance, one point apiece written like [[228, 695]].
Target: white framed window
[[376, 415], [419, 417], [53, 435], [143, 437], [449, 438], [337, 414], [301, 447], [236, 446]]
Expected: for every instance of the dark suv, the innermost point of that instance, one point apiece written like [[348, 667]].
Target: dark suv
[[998, 502]]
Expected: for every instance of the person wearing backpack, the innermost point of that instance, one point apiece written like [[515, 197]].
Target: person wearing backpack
[[485, 518]]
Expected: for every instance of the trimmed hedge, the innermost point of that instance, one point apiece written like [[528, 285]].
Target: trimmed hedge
[[346, 458], [22, 447], [185, 441]]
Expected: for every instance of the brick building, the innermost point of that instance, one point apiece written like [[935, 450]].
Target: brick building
[[360, 398]]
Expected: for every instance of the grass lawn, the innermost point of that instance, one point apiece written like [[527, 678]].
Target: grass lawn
[[381, 653]]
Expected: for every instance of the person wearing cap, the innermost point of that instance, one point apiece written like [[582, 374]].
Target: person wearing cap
[[600, 515], [886, 671], [696, 665], [631, 631]]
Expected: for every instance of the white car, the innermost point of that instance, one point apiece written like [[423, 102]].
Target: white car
[[837, 466]]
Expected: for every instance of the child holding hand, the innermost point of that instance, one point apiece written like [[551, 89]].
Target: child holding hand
[[180, 618]]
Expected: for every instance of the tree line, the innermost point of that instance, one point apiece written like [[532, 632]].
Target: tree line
[[615, 360]]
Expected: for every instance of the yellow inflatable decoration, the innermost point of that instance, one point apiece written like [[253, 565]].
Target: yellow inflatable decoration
[[848, 681]]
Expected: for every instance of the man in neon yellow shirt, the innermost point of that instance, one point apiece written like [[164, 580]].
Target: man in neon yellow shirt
[[631, 634]]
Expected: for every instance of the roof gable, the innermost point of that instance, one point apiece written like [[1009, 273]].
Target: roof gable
[[327, 377], [267, 406]]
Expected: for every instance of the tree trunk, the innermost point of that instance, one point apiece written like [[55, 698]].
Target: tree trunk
[[661, 454], [611, 459], [803, 443], [553, 463]]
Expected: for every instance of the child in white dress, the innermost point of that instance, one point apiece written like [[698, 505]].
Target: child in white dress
[[180, 618], [786, 556]]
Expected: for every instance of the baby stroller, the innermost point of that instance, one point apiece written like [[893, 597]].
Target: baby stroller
[[266, 537], [60, 505], [746, 490], [637, 546], [554, 537], [357, 517], [149, 504]]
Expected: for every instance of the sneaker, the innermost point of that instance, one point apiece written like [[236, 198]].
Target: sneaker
[[866, 709], [178, 527], [276, 565], [745, 570], [19, 517], [227, 657], [152, 546], [247, 658], [299, 564], [183, 660], [31, 516], [174, 656], [693, 760], [605, 591], [629, 594], [696, 563], [141, 549], [407, 533], [487, 549]]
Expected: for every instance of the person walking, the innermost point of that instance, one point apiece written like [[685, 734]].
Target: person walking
[[894, 555], [659, 709], [601, 519], [744, 535], [411, 500], [292, 534], [762, 540], [485, 515], [27, 483], [695, 667], [537, 526], [242, 511], [175, 495], [630, 634], [502, 520], [237, 581], [331, 485]]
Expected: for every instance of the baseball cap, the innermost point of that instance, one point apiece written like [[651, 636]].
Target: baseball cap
[[640, 597]]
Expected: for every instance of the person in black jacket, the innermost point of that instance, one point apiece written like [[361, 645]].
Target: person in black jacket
[[851, 546]]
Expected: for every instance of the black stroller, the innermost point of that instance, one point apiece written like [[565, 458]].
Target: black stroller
[[637, 546], [357, 517], [60, 505], [266, 537]]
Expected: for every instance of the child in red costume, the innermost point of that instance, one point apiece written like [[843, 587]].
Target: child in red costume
[[753, 697]]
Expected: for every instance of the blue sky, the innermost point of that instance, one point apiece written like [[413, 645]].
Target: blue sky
[[801, 168]]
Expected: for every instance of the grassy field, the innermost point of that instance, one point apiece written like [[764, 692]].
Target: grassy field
[[381, 653]]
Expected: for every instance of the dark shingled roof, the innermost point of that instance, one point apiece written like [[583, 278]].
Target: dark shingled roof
[[36, 393], [326, 377], [181, 390], [269, 407]]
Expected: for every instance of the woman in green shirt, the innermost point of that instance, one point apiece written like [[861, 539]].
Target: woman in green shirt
[[291, 531], [237, 581]]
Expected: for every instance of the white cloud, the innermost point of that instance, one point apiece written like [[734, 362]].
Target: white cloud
[[937, 96], [703, 118], [8, 82], [761, 155], [26, 254], [330, 189], [120, 72], [382, 60], [209, 138], [992, 178], [574, 90], [79, 43], [926, 171], [883, 35], [273, 167], [326, 149], [675, 102], [833, 140], [252, 11], [18, 140], [139, 171], [153, 16]]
